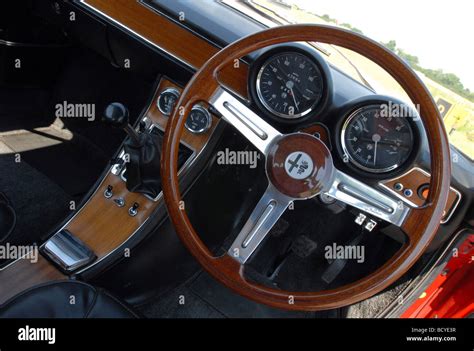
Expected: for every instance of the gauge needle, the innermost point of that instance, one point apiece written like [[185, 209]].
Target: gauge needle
[[294, 99], [375, 138], [290, 85]]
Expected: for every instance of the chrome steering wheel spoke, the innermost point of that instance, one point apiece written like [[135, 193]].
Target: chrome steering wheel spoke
[[254, 128], [364, 197], [264, 216]]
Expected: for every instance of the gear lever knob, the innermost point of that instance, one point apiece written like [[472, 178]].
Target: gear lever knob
[[117, 115]]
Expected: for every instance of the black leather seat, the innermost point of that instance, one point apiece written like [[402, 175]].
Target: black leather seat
[[65, 299]]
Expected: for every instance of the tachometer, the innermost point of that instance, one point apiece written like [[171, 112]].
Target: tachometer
[[374, 142], [289, 85]]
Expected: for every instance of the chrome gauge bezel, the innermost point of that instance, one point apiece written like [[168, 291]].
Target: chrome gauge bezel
[[264, 102], [173, 91], [208, 117], [356, 163]]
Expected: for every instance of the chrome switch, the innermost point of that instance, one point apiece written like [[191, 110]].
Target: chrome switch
[[133, 211]]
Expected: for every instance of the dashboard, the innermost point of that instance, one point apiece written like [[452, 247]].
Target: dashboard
[[377, 139], [291, 86]]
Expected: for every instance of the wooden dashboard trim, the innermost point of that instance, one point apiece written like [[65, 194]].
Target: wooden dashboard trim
[[414, 179], [173, 39]]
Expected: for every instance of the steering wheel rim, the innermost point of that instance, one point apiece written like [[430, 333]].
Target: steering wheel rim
[[420, 224]]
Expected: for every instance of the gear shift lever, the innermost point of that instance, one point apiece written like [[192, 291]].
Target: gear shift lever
[[117, 115], [143, 150]]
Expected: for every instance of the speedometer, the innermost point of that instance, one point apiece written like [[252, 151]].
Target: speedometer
[[289, 85], [374, 142]]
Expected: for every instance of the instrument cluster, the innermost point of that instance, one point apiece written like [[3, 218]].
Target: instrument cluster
[[375, 135]]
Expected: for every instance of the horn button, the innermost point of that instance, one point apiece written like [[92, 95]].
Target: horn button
[[300, 166]]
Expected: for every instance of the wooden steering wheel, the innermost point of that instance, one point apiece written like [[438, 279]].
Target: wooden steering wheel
[[419, 224]]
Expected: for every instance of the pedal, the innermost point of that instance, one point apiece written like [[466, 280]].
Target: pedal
[[303, 246], [365, 221], [336, 266]]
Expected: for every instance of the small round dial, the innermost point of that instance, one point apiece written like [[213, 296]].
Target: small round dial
[[374, 142], [199, 120], [167, 101], [290, 85]]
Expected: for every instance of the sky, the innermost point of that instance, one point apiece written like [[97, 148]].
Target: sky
[[439, 32]]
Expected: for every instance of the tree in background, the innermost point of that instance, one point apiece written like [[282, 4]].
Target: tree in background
[[448, 80]]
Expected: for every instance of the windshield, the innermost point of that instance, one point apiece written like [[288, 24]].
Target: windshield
[[430, 37]]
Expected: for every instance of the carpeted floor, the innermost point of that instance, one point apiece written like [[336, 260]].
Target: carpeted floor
[[203, 297], [43, 170], [38, 202]]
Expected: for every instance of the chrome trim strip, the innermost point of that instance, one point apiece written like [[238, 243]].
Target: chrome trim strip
[[448, 217], [138, 35], [67, 251], [18, 259]]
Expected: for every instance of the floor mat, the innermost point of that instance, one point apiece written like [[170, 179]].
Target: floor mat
[[179, 303], [204, 297], [233, 305], [38, 202], [43, 170], [67, 159]]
